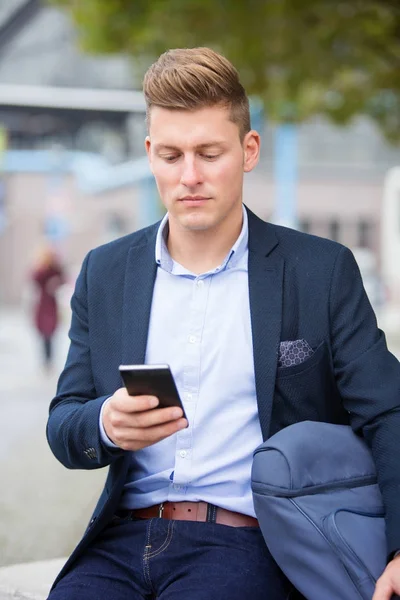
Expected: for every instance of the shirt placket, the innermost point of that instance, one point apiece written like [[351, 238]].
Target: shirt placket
[[191, 382]]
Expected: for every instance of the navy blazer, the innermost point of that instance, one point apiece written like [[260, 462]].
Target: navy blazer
[[300, 287]]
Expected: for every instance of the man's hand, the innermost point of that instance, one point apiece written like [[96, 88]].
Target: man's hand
[[389, 582], [133, 422]]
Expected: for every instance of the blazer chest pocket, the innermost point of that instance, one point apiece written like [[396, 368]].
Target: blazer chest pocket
[[309, 363], [307, 391]]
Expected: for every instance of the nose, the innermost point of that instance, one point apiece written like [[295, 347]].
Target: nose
[[190, 175]]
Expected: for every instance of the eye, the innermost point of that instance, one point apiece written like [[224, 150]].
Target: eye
[[210, 156], [170, 157]]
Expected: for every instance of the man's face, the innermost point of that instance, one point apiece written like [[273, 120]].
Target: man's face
[[198, 162]]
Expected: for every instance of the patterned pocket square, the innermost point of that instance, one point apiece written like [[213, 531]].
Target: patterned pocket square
[[294, 353]]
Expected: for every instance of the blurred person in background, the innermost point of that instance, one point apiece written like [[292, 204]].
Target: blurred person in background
[[263, 326], [47, 276]]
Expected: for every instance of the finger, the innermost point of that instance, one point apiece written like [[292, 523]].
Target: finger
[[147, 418], [383, 590], [123, 402], [159, 432], [157, 416], [134, 438]]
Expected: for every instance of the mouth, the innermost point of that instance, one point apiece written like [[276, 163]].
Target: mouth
[[194, 200]]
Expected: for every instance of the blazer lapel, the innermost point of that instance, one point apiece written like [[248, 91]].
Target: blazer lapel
[[266, 291], [140, 276]]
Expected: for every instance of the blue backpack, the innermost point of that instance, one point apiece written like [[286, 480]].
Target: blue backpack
[[320, 510]]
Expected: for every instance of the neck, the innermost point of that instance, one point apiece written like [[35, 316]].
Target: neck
[[203, 250]]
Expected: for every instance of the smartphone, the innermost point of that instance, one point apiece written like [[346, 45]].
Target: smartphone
[[152, 380]]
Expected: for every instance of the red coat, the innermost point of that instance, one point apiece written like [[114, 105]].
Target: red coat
[[48, 279]]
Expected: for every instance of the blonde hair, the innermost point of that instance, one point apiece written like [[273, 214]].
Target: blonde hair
[[194, 78]]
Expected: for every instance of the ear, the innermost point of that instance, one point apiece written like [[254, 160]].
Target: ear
[[251, 150]]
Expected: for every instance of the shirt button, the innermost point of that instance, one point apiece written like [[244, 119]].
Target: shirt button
[[200, 283], [182, 453], [177, 487], [189, 396], [192, 339]]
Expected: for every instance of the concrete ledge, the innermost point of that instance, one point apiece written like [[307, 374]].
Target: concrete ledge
[[29, 581]]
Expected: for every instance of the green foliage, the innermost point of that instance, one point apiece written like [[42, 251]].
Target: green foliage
[[339, 58]]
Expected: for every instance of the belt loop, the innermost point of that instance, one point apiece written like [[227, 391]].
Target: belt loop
[[211, 513], [160, 510]]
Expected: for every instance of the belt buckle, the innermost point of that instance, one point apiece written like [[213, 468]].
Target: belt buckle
[[160, 510]]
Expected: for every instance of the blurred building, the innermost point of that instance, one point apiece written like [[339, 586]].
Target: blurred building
[[38, 48], [341, 177], [341, 171]]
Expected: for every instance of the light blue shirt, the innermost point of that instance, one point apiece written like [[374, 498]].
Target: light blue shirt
[[200, 326]]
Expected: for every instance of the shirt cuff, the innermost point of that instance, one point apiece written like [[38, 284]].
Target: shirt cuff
[[103, 436], [396, 554]]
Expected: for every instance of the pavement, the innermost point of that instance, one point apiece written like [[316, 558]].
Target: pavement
[[44, 508], [29, 581]]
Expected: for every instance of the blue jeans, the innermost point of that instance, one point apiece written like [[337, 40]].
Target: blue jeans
[[174, 560]]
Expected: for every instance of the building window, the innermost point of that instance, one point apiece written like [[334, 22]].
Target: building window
[[364, 230], [304, 225], [334, 230]]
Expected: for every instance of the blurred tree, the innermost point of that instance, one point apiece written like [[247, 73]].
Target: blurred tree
[[338, 58]]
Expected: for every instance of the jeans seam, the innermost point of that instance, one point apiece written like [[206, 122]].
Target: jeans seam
[[146, 565], [167, 541]]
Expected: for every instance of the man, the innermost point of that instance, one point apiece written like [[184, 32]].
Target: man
[[212, 291]]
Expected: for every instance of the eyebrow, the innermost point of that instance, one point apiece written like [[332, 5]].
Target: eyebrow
[[159, 147]]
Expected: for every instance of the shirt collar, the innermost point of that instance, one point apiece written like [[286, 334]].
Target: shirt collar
[[235, 254]]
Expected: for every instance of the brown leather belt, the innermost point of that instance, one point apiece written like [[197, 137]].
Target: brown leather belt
[[192, 511]]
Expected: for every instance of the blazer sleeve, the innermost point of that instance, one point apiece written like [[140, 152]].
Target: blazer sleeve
[[73, 429], [368, 377]]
